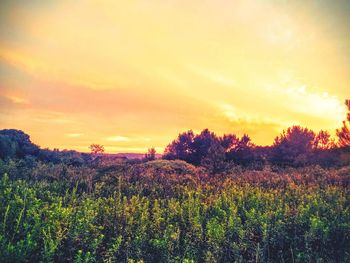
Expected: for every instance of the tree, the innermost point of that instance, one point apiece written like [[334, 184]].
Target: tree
[[181, 148], [293, 147], [97, 149], [201, 145], [323, 141], [16, 143], [344, 132], [193, 148], [214, 161], [242, 152], [207, 148], [229, 142], [7, 147], [151, 154]]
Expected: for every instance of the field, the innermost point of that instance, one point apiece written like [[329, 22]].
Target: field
[[174, 131], [171, 211]]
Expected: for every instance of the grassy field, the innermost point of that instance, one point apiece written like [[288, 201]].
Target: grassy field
[[170, 211]]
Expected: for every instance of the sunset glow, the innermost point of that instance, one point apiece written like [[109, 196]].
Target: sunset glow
[[133, 74]]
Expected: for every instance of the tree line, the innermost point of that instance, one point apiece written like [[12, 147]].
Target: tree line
[[296, 146], [65, 206]]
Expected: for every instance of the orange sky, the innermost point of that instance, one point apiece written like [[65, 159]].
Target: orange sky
[[133, 74]]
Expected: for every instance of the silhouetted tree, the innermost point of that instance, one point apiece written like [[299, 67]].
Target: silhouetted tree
[[181, 148], [344, 132], [324, 148], [229, 142], [150, 155], [242, 152], [296, 146], [214, 161], [323, 141], [191, 148], [293, 147], [201, 145], [16, 143], [207, 149], [7, 147], [97, 149]]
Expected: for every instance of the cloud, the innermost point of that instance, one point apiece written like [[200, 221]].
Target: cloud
[[135, 68], [6, 103], [18, 100], [315, 104], [13, 103], [118, 138], [74, 135]]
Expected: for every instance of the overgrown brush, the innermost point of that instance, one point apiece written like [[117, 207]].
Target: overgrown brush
[[120, 214]]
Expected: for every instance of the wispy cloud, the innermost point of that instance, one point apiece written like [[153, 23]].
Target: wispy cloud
[[18, 100], [118, 138], [246, 66], [74, 135], [318, 104]]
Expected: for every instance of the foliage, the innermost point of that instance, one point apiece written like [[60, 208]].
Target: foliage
[[296, 147], [212, 151], [15, 143], [211, 199], [97, 148], [344, 132], [293, 147], [150, 155], [171, 211]]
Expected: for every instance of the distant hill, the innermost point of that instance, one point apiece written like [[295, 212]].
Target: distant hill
[[129, 155]]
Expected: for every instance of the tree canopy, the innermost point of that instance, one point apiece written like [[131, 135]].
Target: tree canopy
[[16, 144], [295, 146], [344, 132]]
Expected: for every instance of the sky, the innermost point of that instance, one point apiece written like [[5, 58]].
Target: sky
[[133, 74]]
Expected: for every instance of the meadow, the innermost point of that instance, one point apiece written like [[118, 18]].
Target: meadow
[[173, 131], [171, 211]]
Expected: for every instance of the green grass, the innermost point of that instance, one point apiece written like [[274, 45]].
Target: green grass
[[153, 214]]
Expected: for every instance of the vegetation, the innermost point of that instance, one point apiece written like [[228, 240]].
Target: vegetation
[[211, 199], [150, 155], [344, 132], [171, 211], [97, 148]]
